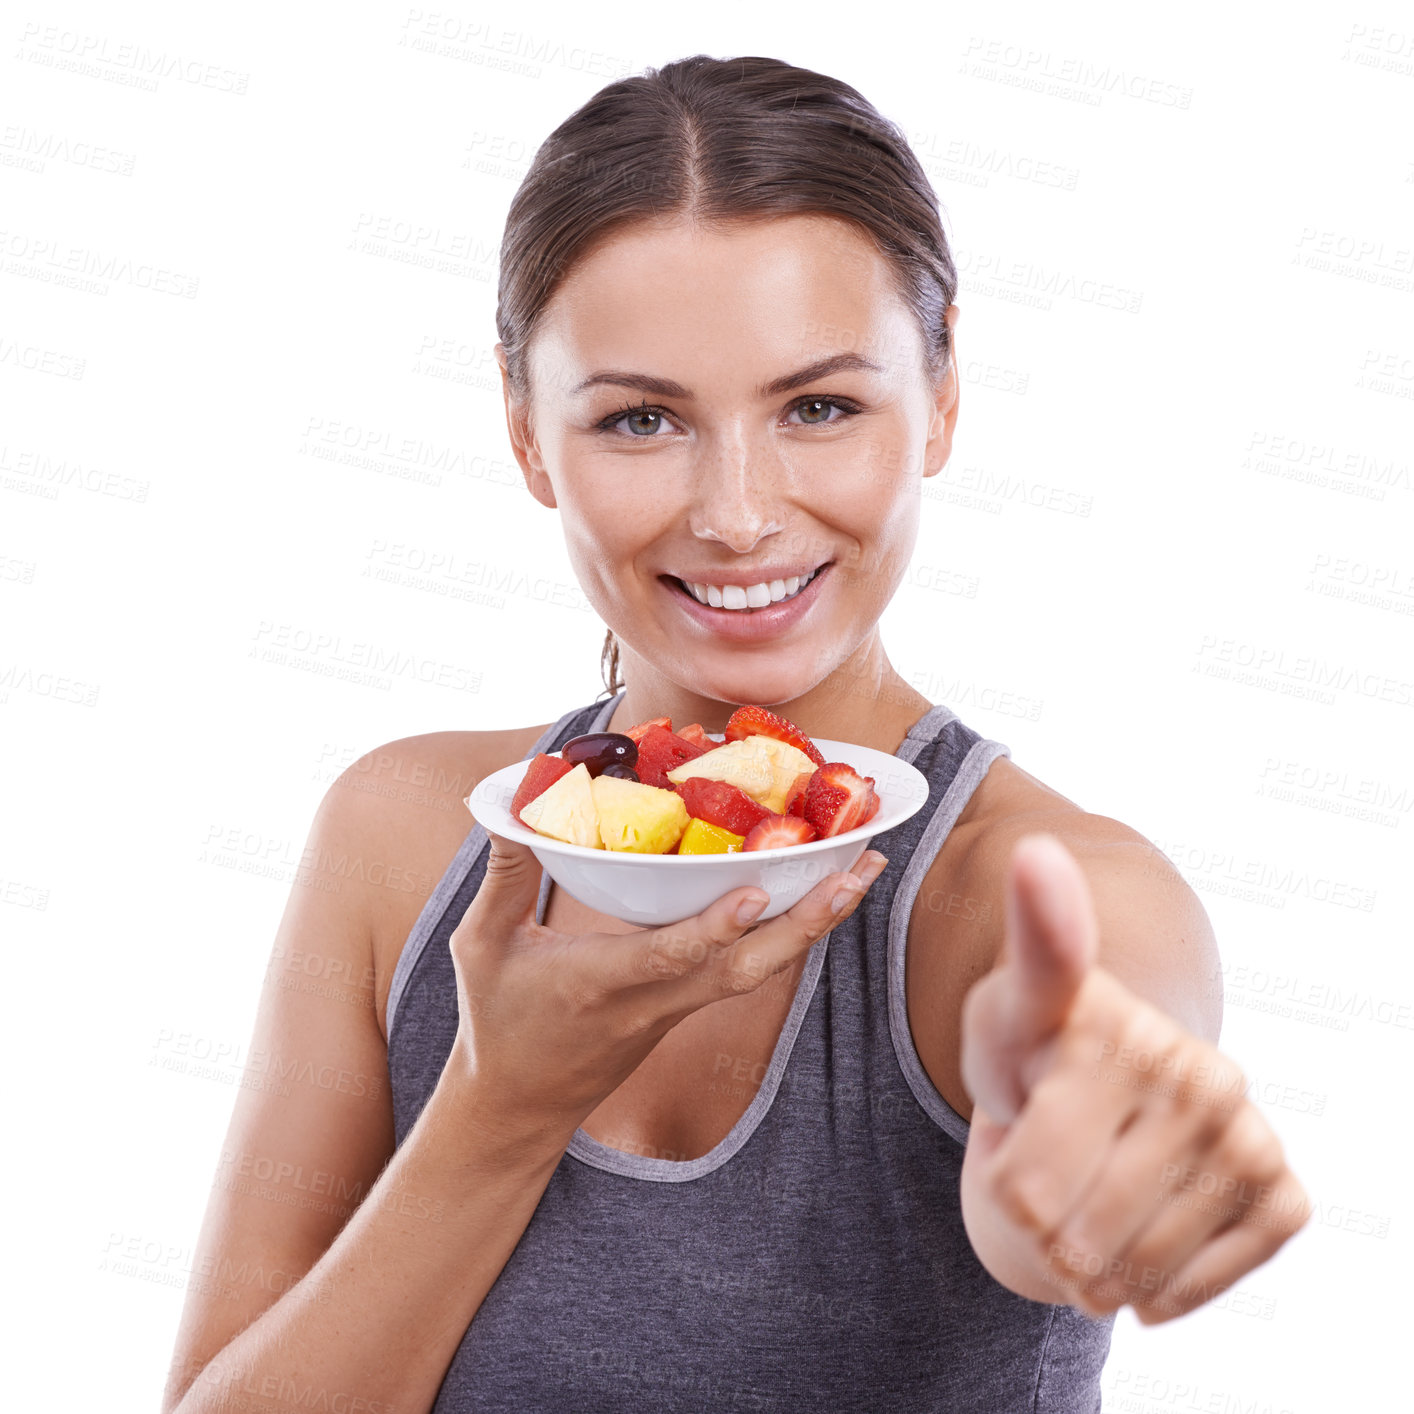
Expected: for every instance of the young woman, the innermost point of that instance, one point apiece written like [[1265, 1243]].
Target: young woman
[[908, 1146]]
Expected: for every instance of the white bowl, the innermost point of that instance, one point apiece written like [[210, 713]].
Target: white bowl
[[654, 889]]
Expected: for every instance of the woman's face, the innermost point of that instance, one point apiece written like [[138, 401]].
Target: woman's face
[[676, 424]]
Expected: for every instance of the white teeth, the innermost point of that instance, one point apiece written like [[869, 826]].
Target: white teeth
[[753, 596]]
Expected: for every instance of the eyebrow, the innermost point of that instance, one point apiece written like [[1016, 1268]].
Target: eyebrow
[[666, 388]]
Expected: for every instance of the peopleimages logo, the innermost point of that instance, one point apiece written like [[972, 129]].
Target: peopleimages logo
[[513, 51], [1208, 868], [1026, 282], [315, 650], [32, 469], [22, 146], [53, 261], [1065, 76], [99, 56]]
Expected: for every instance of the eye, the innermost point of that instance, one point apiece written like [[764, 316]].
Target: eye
[[810, 408], [645, 422], [636, 415]]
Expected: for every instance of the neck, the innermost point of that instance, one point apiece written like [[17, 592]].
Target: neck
[[863, 700]]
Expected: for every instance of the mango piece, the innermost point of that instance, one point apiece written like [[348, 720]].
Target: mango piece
[[700, 837]]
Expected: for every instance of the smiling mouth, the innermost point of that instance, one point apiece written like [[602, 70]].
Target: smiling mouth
[[683, 588], [746, 599]]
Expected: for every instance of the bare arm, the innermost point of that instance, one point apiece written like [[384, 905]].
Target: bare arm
[[380, 1315], [393, 1253]]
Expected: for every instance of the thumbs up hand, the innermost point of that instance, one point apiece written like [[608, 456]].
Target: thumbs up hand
[[1113, 1157]]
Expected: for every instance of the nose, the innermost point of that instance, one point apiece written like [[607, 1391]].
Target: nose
[[736, 503], [741, 536]]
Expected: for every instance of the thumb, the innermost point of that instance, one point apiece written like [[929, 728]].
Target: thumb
[[1051, 935], [1050, 942], [510, 887]]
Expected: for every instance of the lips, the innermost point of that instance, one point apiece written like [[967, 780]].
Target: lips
[[749, 623], [799, 580]]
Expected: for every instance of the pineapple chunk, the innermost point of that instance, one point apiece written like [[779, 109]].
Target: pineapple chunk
[[740, 763], [701, 837], [766, 769], [639, 818], [566, 810], [789, 764]]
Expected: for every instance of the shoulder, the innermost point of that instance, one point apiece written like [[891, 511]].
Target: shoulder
[[1010, 802], [391, 824], [1154, 933]]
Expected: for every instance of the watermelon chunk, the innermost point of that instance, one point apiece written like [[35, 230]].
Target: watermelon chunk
[[540, 775], [636, 733], [658, 752], [695, 734], [722, 804]]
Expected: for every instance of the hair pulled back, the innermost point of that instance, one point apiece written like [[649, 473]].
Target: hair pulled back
[[719, 141]]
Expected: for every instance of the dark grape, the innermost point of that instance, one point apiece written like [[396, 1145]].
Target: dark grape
[[598, 750], [623, 772]]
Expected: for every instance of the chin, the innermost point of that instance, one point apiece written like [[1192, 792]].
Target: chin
[[765, 683]]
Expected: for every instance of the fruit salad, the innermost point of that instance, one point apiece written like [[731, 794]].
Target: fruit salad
[[653, 790]]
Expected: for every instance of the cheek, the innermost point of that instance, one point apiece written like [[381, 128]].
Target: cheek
[[883, 529], [606, 524], [865, 489]]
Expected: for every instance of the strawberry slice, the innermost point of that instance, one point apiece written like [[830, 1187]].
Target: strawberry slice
[[695, 734], [721, 803], [838, 798], [637, 732], [658, 752], [540, 775], [797, 801], [777, 831], [757, 721]]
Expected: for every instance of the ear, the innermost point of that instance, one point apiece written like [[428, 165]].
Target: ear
[[938, 447], [523, 443]]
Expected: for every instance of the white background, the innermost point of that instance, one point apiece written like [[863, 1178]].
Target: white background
[[1207, 635]]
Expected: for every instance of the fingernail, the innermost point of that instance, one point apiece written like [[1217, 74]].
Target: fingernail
[[844, 896], [749, 909], [877, 863]]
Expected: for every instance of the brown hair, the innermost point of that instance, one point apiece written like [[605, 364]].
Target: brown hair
[[718, 141]]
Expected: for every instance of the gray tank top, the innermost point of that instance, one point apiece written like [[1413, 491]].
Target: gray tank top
[[815, 1260]]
